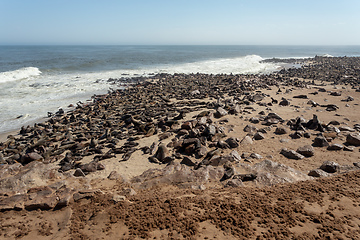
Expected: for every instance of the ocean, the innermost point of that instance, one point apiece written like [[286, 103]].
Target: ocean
[[35, 80]]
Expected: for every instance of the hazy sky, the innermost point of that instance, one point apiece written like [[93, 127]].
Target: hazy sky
[[301, 22]]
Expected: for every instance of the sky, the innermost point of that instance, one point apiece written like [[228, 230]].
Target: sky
[[180, 22]]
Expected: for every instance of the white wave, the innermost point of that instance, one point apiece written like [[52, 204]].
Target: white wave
[[327, 55], [19, 74], [240, 65]]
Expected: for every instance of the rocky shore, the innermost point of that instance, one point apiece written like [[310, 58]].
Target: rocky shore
[[194, 156]]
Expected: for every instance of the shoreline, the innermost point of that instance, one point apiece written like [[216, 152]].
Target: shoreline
[[288, 138]]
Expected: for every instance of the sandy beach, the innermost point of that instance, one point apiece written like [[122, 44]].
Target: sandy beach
[[194, 156]]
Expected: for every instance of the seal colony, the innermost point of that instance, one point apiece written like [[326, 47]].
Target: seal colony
[[195, 147]]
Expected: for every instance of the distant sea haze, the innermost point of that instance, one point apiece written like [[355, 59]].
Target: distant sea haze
[[35, 80]]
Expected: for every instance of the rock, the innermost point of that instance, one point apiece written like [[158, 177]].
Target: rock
[[259, 136], [307, 151], [270, 173], [232, 142], [330, 167], [353, 139], [79, 173], [356, 164], [291, 154], [320, 141], [318, 173], [335, 147], [246, 140], [281, 130], [220, 112]]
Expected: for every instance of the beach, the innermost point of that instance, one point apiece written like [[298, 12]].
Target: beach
[[193, 156]]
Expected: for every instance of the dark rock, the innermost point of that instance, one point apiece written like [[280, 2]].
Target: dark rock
[[330, 167], [307, 151]]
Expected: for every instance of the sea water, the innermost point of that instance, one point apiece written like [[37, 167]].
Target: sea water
[[35, 80]]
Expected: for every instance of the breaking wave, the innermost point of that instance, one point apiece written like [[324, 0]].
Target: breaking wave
[[19, 74]]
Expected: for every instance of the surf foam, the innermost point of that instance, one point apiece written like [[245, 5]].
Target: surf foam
[[22, 73]]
